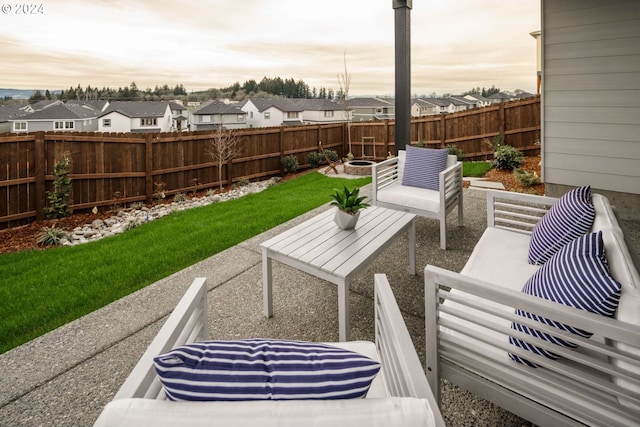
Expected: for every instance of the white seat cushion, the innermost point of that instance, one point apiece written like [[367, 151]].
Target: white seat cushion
[[417, 198], [500, 257], [396, 411]]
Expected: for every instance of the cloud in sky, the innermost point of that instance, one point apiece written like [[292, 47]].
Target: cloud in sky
[[456, 44]]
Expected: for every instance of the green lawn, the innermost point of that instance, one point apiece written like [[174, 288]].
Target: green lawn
[[475, 169], [42, 290]]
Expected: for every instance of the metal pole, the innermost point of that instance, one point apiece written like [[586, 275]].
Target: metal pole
[[403, 72]]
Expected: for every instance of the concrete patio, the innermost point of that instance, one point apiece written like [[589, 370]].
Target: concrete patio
[[65, 377]]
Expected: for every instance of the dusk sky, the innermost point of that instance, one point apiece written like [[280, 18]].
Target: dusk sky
[[456, 44]]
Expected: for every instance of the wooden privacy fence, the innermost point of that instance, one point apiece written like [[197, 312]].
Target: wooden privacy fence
[[110, 169]]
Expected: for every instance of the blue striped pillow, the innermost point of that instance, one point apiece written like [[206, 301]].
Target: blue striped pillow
[[571, 216], [578, 276], [422, 167], [259, 369]]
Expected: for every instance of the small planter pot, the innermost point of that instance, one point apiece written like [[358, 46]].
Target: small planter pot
[[345, 220]]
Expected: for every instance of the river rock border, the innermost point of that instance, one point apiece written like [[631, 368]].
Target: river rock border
[[126, 219]]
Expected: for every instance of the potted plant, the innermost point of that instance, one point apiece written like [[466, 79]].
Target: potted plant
[[348, 204]]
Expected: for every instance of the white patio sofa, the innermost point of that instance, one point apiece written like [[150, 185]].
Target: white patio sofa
[[400, 394], [469, 315], [387, 191]]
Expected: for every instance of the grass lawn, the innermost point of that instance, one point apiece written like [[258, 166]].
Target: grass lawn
[[475, 169], [42, 290]]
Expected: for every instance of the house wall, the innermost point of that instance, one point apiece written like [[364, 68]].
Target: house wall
[[315, 116], [119, 123], [276, 117], [230, 121], [254, 117], [591, 99]]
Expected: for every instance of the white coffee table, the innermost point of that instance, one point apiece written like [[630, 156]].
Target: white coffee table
[[320, 248]]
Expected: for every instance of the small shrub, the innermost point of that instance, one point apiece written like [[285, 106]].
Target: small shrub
[[507, 158], [495, 142], [130, 224], [455, 151], [526, 178], [59, 197], [332, 155], [180, 197], [348, 158], [211, 193], [52, 236], [314, 159], [421, 144], [136, 206], [159, 193], [243, 182], [290, 163]]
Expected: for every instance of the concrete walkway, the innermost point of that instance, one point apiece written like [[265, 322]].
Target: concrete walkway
[[65, 377]]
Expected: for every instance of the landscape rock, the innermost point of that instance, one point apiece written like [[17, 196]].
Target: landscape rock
[[127, 219]]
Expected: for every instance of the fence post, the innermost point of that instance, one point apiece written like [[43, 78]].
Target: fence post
[[443, 130], [40, 175], [148, 168], [281, 150], [502, 119]]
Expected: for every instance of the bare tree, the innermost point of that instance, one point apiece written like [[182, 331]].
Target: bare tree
[[223, 146], [344, 80]]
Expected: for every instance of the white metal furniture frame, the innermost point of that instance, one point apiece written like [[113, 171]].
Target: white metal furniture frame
[[387, 191], [468, 319], [401, 373], [320, 248]]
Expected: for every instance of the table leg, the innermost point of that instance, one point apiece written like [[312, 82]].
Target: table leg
[[343, 311], [267, 284], [412, 248]]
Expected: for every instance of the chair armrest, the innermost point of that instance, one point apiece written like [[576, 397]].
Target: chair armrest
[[383, 174], [187, 323], [403, 371], [450, 180], [516, 211]]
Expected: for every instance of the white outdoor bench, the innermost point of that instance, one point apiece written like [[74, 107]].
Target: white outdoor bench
[[469, 316], [387, 191], [400, 394]]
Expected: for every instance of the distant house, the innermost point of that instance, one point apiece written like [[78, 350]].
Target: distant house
[[179, 116], [58, 117], [499, 97], [323, 111], [216, 114], [422, 107], [371, 109], [7, 112], [480, 100], [40, 105], [136, 116], [524, 95], [265, 112]]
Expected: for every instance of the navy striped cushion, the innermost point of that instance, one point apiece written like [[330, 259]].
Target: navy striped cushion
[[578, 276], [422, 167], [570, 216], [259, 369]]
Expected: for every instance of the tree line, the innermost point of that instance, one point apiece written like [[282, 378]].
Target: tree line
[[288, 88]]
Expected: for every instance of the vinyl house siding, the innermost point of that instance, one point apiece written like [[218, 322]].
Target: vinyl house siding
[[591, 98]]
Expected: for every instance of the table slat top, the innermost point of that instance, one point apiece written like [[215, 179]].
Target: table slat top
[[320, 243]]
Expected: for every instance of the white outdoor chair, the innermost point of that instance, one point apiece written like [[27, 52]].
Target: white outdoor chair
[[388, 192]]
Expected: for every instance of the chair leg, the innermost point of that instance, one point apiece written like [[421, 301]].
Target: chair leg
[[443, 233]]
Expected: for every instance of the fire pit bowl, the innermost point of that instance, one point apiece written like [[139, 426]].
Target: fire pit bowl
[[358, 167]]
